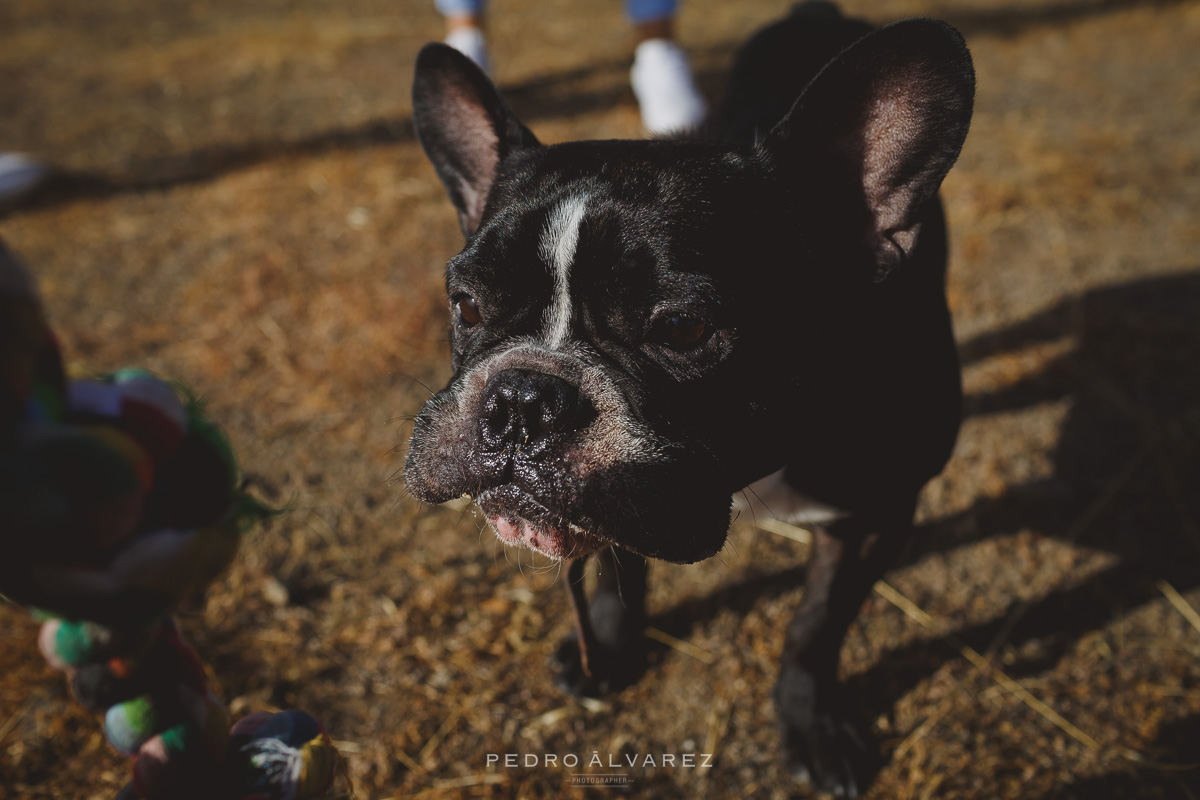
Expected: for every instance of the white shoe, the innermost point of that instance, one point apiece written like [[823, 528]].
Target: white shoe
[[470, 42], [18, 174], [667, 94]]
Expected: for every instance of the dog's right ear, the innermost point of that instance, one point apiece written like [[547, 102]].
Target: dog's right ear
[[465, 127], [885, 120]]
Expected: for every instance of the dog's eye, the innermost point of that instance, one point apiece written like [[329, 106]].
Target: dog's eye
[[685, 331], [468, 311]]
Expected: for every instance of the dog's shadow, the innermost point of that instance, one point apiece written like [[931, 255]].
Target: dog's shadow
[[1126, 465], [1177, 781], [1126, 460]]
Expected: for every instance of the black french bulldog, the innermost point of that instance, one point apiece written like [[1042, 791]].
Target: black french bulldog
[[642, 329]]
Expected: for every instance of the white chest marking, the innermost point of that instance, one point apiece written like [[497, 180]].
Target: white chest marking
[[772, 497], [559, 240]]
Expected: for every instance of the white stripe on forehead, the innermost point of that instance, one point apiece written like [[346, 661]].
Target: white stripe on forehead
[[559, 240]]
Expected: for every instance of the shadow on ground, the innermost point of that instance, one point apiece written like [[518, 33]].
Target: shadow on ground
[[1125, 467], [1177, 778], [559, 95]]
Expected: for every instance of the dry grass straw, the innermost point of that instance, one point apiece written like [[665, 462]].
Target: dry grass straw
[[15, 719], [923, 618], [1180, 604], [297, 280], [679, 645], [986, 663]]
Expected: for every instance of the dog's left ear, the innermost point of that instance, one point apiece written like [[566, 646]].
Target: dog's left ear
[[465, 127], [886, 118]]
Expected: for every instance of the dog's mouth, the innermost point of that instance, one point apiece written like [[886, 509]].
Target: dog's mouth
[[520, 519]]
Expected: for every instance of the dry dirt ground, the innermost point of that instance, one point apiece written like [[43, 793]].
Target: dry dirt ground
[[241, 204]]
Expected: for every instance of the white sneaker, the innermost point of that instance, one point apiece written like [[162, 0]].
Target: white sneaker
[[470, 42], [18, 174], [667, 94]]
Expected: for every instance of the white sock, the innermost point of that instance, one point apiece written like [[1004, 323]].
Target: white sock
[[470, 42], [667, 94]]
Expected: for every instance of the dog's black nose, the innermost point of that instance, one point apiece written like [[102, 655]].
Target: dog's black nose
[[528, 409]]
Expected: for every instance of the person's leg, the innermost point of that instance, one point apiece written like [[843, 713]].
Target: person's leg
[[661, 76], [464, 28], [18, 174], [652, 19]]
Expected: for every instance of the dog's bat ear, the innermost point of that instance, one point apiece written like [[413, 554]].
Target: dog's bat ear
[[886, 119], [465, 127]]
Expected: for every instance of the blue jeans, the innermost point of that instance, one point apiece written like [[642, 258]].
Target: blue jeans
[[638, 10]]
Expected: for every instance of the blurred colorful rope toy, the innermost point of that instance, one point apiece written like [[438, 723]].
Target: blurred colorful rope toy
[[120, 499]]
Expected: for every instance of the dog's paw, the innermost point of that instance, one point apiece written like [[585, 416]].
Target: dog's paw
[[835, 757], [824, 744], [611, 668]]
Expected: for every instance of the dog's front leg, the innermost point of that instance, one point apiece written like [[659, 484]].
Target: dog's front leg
[[824, 743], [606, 651]]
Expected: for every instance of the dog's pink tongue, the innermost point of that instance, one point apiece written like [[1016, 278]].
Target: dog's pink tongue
[[508, 530], [549, 541]]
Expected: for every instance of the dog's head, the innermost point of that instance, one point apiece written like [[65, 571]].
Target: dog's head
[[634, 325]]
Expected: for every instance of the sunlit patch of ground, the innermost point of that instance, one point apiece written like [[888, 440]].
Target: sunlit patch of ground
[[241, 205]]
